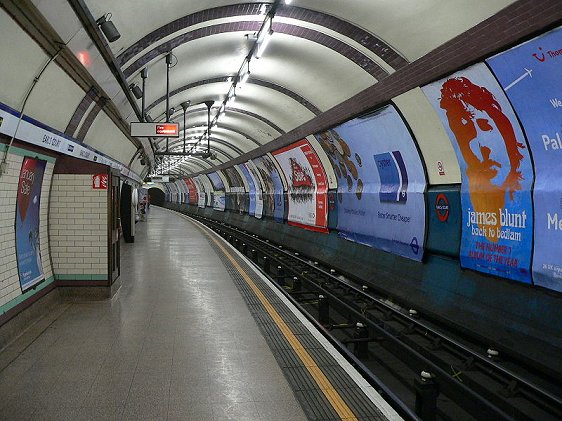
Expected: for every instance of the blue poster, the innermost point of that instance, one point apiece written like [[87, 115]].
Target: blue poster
[[216, 181], [219, 195], [496, 172], [274, 202], [258, 184], [251, 187], [381, 183], [28, 253], [531, 75]]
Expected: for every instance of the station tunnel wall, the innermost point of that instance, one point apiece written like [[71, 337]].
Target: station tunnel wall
[[456, 217]]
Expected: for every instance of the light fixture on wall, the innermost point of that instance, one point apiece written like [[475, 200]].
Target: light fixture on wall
[[108, 28], [144, 76], [136, 90]]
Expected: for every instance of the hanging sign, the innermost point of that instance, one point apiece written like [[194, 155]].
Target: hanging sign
[[155, 129]]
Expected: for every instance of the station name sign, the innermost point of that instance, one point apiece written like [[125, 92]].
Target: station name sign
[[155, 129]]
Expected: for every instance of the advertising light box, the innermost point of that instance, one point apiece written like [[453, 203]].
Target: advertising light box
[[216, 181], [251, 189], [236, 198], [496, 171], [274, 201], [307, 186], [193, 195], [531, 76], [28, 203], [381, 182], [201, 199], [259, 186], [219, 194]]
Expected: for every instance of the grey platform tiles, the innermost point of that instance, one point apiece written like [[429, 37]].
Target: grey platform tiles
[[177, 342], [307, 390]]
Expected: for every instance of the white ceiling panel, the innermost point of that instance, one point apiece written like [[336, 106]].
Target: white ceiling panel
[[296, 78], [414, 28]]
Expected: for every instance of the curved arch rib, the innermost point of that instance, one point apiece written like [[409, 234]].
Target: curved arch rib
[[355, 56]]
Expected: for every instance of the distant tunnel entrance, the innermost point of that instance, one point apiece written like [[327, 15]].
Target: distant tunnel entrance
[[157, 196]]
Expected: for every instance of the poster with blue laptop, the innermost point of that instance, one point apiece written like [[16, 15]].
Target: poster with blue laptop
[[496, 172], [275, 203], [381, 182], [251, 188], [28, 204], [531, 76]]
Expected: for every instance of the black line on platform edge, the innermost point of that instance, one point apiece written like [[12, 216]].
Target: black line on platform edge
[[312, 400]]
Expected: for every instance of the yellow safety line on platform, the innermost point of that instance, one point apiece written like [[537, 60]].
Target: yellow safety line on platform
[[316, 372]]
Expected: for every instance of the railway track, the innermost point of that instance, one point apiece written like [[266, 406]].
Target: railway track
[[420, 366]]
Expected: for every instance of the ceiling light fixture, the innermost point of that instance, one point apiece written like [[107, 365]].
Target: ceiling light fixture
[[108, 28], [231, 96], [260, 40], [244, 74], [264, 37]]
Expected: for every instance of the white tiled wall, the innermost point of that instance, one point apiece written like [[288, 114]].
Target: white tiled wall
[[44, 218], [78, 226], [9, 278]]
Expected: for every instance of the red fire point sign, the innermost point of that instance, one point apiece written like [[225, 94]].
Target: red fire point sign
[[99, 182], [171, 129]]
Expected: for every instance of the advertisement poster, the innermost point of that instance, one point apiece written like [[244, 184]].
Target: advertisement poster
[[531, 76], [174, 194], [496, 172], [28, 253], [200, 192], [251, 189], [237, 198], [208, 188], [307, 186], [216, 181], [193, 195], [182, 193], [381, 183], [219, 193], [258, 184], [274, 201], [185, 191]]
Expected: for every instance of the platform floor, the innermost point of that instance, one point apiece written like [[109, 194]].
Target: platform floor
[[176, 343]]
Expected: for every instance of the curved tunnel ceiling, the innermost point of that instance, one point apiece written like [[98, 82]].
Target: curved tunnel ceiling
[[321, 53], [296, 79]]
